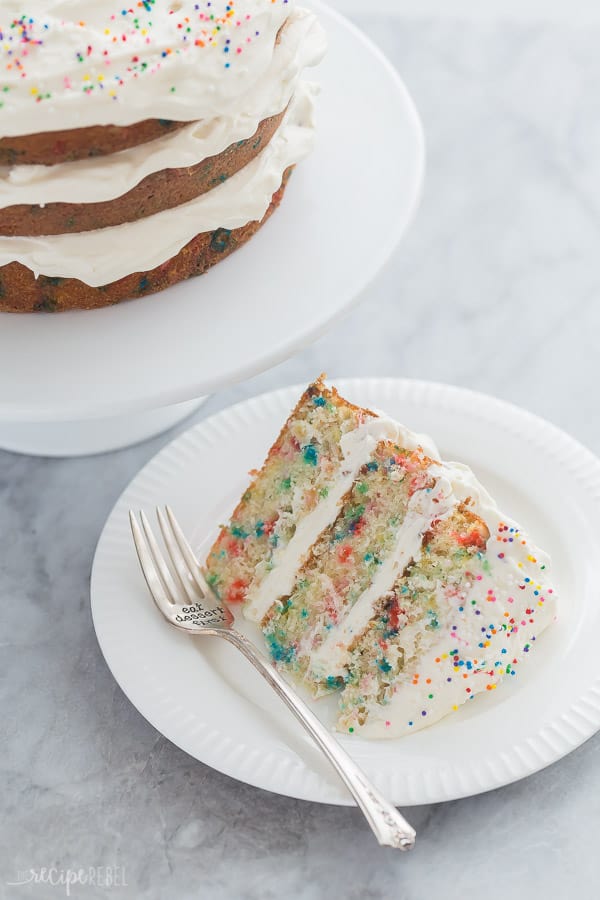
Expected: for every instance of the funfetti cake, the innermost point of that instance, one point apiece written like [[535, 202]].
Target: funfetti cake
[[377, 570], [142, 144]]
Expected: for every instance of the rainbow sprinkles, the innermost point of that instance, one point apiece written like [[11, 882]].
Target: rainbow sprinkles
[[47, 58]]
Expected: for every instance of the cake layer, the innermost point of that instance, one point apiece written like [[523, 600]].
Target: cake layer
[[82, 63], [22, 292], [296, 495], [456, 486], [49, 148], [392, 500], [100, 257], [328, 660], [155, 193], [356, 447], [295, 483], [405, 622]]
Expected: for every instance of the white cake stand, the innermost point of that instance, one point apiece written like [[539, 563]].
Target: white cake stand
[[87, 382]]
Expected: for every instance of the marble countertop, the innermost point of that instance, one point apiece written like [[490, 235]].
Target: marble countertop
[[495, 288]]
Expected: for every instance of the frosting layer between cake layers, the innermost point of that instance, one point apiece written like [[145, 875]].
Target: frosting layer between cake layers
[[98, 179], [357, 448], [425, 506], [102, 256], [77, 63]]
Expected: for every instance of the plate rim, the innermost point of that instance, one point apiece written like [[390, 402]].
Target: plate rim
[[578, 723], [68, 410]]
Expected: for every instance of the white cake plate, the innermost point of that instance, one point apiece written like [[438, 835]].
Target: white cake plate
[[85, 382], [204, 696], [91, 436]]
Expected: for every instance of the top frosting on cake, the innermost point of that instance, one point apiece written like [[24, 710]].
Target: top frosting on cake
[[78, 63]]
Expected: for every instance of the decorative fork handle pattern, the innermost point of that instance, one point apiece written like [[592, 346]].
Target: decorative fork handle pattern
[[388, 825]]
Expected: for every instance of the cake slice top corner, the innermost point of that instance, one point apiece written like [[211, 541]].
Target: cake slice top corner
[[297, 494]]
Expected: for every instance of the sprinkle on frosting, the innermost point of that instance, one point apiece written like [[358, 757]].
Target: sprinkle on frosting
[[212, 25], [102, 47], [493, 616]]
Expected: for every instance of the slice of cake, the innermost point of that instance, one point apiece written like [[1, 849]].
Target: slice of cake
[[140, 146], [376, 570]]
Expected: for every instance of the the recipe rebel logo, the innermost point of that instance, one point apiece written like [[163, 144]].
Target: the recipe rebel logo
[[104, 877]]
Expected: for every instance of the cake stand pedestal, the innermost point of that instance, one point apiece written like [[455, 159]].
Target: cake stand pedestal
[[83, 382], [63, 439]]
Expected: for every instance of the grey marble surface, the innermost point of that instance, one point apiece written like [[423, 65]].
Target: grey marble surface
[[495, 288]]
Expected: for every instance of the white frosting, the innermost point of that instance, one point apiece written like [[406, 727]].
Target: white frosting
[[102, 256], [357, 448], [331, 658], [104, 178], [76, 63], [523, 605]]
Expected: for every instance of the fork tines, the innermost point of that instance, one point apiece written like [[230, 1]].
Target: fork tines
[[174, 577]]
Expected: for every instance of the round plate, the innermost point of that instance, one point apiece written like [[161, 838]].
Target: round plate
[[334, 231], [206, 699]]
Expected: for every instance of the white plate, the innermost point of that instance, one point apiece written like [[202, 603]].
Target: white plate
[[210, 703], [345, 210]]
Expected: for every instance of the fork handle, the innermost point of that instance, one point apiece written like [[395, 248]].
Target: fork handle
[[387, 824]]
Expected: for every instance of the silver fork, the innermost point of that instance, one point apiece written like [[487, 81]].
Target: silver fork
[[183, 597]]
